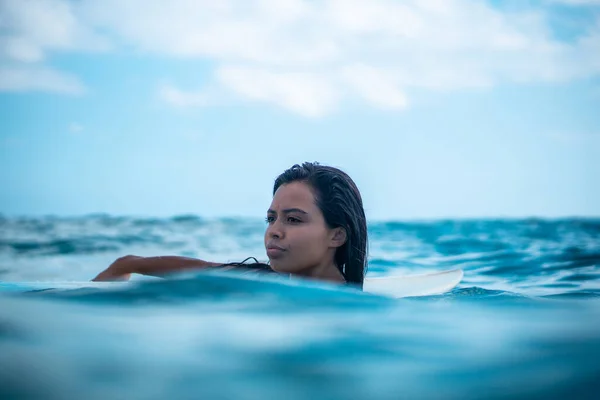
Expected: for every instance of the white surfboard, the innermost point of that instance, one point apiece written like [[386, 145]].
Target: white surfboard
[[414, 285], [394, 286]]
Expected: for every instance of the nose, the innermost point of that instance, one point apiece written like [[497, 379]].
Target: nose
[[274, 230]]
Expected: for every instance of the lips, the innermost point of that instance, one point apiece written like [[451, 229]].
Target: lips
[[274, 251]]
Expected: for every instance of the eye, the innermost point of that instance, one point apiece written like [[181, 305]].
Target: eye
[[293, 220], [269, 219]]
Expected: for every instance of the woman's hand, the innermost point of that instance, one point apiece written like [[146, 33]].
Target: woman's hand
[[120, 270]]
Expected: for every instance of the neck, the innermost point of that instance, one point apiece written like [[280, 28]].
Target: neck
[[324, 272]]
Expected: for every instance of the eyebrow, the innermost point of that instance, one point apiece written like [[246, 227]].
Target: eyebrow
[[287, 211]]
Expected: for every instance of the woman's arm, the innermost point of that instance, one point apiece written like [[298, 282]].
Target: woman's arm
[[123, 267]]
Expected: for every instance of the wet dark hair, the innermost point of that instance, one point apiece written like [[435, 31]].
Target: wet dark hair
[[339, 200], [246, 267]]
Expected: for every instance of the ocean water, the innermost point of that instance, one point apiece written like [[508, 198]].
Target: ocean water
[[523, 323]]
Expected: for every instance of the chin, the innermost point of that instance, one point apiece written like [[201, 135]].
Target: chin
[[278, 266]]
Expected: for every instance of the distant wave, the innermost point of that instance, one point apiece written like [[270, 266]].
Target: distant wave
[[528, 256]]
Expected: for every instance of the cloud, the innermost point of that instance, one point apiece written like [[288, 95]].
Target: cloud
[[578, 2], [75, 127], [575, 136], [377, 87], [179, 98], [305, 93], [39, 26], [32, 29], [298, 92], [310, 57], [193, 136], [30, 78]]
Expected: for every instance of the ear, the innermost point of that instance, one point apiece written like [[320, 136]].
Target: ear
[[338, 237]]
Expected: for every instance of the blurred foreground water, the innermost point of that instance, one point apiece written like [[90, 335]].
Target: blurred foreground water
[[524, 323]]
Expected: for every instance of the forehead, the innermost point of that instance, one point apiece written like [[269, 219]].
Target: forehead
[[294, 195]]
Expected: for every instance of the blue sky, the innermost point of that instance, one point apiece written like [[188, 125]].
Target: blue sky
[[436, 108]]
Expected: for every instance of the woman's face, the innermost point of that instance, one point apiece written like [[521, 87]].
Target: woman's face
[[297, 239]]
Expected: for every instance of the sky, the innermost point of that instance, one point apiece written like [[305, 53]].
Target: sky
[[436, 108]]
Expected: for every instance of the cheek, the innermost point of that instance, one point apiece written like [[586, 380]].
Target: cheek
[[309, 241]]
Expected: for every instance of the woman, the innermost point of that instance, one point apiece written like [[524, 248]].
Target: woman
[[316, 229]]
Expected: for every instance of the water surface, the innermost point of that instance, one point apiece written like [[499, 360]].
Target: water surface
[[523, 323]]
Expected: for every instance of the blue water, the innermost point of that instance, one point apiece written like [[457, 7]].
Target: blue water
[[524, 322]]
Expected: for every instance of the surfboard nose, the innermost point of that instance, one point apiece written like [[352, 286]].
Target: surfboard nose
[[414, 285]]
